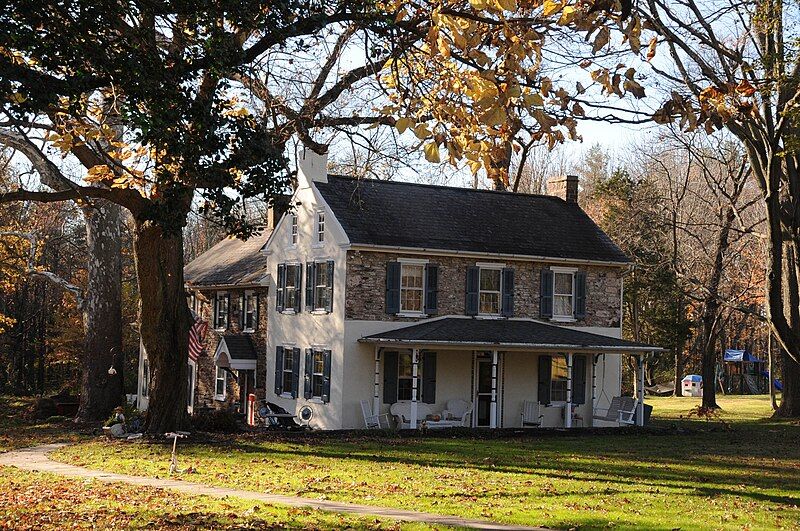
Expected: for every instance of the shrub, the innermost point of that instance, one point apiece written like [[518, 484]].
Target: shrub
[[218, 420]]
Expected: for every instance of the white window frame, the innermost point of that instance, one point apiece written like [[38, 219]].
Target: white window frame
[[221, 295], [287, 391], [250, 295], [413, 262], [410, 379], [560, 359], [318, 308], [493, 267], [314, 374], [319, 228], [294, 235], [224, 379], [289, 308], [564, 271]]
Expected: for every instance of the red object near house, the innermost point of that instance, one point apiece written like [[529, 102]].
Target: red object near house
[[251, 409]]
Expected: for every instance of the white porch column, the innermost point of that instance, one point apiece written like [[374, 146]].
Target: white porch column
[[414, 386], [640, 398], [568, 408], [376, 400], [493, 404]]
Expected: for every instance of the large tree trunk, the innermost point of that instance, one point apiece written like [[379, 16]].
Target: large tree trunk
[[164, 323], [790, 374], [101, 392]]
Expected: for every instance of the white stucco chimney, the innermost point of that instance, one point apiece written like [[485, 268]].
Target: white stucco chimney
[[311, 167]]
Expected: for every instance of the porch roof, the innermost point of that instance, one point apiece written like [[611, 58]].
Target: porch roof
[[236, 351], [504, 333]]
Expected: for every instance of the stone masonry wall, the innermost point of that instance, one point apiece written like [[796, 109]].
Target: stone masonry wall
[[366, 288], [206, 370]]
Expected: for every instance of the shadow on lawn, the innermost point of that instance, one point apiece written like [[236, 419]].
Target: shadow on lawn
[[679, 462]]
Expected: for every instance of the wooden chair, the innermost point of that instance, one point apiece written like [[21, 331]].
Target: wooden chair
[[373, 421], [531, 414]]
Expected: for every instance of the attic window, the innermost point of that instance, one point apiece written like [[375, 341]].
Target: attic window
[[320, 227], [294, 230]]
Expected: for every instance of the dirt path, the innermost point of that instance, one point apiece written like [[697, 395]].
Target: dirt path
[[37, 459]]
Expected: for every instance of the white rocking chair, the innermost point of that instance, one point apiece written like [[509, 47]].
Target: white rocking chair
[[373, 421], [531, 414]]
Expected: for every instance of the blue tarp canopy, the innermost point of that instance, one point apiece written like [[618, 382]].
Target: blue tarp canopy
[[739, 356]]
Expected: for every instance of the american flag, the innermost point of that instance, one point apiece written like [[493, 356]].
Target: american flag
[[197, 335]]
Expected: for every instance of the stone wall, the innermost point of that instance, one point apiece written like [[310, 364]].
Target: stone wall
[[206, 370], [366, 288]]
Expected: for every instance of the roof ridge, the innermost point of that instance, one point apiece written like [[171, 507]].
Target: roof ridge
[[446, 187]]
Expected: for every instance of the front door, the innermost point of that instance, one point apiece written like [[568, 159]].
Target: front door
[[483, 387]]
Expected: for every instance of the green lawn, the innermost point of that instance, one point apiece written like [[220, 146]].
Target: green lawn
[[693, 474]]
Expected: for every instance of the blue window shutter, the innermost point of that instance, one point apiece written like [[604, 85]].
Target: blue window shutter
[[546, 294], [295, 372], [507, 307], [280, 287], [310, 276], [329, 286], [578, 379], [473, 280], [429, 377], [545, 366], [580, 295], [298, 289], [326, 380], [389, 377], [307, 391], [278, 370], [393, 287], [431, 288]]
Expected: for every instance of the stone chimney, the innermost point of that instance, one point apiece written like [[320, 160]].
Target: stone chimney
[[311, 167], [565, 187], [278, 208]]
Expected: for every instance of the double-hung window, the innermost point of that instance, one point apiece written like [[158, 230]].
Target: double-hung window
[[220, 387], [405, 376], [412, 288], [489, 291], [558, 379], [318, 374], [250, 312], [294, 234], [320, 227], [221, 303], [322, 286], [563, 294], [291, 287], [288, 369]]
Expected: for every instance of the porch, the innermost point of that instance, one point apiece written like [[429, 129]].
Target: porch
[[562, 377]]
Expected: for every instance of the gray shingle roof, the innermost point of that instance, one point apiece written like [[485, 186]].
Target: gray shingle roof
[[390, 213], [231, 262], [499, 332], [240, 346]]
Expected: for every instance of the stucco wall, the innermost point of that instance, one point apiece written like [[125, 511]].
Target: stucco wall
[[308, 330], [366, 288]]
